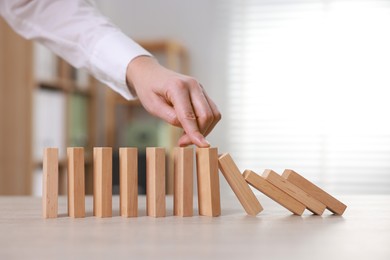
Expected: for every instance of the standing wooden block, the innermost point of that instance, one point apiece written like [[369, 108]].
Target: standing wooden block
[[50, 183], [331, 203], [208, 182], [155, 181], [274, 193], [183, 182], [297, 193], [128, 178], [76, 183], [238, 184], [102, 182]]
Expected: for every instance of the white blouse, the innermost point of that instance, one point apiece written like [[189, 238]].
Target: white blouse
[[76, 31]]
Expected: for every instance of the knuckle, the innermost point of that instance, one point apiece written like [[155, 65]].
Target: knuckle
[[218, 117], [173, 87], [173, 120], [176, 83], [206, 117], [192, 82], [189, 115]]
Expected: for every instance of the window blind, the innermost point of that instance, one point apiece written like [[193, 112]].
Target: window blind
[[308, 90]]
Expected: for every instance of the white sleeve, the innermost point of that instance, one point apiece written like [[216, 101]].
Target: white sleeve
[[77, 32]]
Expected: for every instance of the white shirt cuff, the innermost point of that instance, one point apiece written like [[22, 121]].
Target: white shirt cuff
[[110, 58]]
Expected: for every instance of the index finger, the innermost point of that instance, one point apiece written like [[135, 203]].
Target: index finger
[[181, 102]]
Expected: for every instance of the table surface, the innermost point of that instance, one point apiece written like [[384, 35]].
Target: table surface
[[362, 233]]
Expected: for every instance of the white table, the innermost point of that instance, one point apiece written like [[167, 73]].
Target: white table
[[362, 233]]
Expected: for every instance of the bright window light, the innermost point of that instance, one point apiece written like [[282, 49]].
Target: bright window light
[[309, 89]]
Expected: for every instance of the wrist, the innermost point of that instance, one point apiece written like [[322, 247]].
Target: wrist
[[136, 68]]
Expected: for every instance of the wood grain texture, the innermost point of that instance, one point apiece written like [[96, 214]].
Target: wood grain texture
[[209, 202], [102, 182], [331, 203], [155, 182], [274, 193], [297, 193], [76, 182], [128, 178], [238, 184], [183, 181], [50, 183]]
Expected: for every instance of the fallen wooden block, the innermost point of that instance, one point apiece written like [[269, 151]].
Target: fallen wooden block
[[238, 184], [76, 183], [274, 193], [128, 182], [209, 201], [102, 182], [311, 204], [331, 203], [155, 182], [183, 182], [50, 183]]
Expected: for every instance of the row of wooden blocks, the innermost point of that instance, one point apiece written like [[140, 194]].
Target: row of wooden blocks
[[290, 190]]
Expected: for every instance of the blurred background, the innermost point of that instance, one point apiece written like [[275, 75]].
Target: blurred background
[[301, 84]]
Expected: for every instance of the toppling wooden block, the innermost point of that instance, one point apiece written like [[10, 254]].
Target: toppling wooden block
[[331, 203], [102, 182], [209, 201], [50, 183], [76, 183], [274, 193], [183, 182], [155, 182], [238, 184], [311, 204], [128, 178]]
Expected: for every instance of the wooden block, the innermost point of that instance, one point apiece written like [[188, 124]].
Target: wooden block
[[331, 203], [297, 193], [238, 184], [155, 181], [274, 193], [128, 178], [50, 183], [102, 182], [209, 201], [183, 182], [76, 183]]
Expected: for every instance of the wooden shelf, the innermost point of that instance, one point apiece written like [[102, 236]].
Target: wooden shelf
[[16, 84], [65, 86], [68, 86]]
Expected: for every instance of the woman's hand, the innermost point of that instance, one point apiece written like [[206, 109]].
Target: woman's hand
[[178, 99]]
